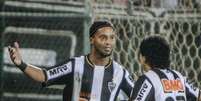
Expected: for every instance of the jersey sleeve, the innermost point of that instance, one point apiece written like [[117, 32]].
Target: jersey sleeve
[[143, 90], [192, 92], [60, 74], [127, 83]]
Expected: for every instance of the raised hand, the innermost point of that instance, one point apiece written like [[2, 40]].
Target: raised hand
[[14, 53]]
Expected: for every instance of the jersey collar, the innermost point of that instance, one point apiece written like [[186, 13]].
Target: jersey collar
[[92, 65]]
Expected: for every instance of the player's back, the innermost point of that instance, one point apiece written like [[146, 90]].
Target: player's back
[[168, 85], [160, 85]]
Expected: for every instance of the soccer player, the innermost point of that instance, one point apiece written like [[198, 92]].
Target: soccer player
[[160, 82], [92, 77]]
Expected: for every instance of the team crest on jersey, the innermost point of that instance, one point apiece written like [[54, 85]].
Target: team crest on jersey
[[111, 86]]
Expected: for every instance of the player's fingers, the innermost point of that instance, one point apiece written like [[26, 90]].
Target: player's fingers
[[9, 47], [13, 57], [11, 53], [16, 45], [12, 50]]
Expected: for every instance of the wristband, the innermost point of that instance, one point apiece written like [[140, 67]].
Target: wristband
[[22, 66]]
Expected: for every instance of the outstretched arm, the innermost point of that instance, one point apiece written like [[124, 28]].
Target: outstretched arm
[[33, 72]]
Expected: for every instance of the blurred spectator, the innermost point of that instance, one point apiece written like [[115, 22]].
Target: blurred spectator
[[189, 4], [156, 3], [168, 4], [144, 3], [197, 4], [120, 2]]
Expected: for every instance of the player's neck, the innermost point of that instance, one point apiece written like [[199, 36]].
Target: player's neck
[[147, 67], [97, 60]]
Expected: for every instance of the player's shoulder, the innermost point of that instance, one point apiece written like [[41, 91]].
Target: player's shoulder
[[143, 78], [118, 65], [150, 73], [80, 57], [142, 89], [179, 74], [70, 60], [151, 76]]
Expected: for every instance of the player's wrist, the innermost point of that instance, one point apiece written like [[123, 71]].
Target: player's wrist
[[22, 66]]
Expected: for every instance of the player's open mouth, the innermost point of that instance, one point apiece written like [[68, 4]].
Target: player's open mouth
[[108, 49]]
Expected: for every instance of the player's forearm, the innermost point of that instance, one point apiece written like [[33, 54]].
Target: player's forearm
[[32, 71], [35, 73]]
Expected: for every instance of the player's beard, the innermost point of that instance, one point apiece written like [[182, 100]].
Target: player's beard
[[102, 53]]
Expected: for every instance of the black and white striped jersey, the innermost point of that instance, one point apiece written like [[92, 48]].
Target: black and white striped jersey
[[164, 85], [84, 80]]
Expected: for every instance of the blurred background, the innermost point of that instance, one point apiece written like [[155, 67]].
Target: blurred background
[[51, 31]]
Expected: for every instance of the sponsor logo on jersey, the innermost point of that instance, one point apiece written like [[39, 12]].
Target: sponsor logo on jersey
[[58, 71], [144, 90], [172, 85]]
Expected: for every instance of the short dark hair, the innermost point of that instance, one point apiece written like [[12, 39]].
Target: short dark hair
[[156, 51], [99, 24]]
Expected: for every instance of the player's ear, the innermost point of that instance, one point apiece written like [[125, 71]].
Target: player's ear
[[142, 59], [91, 39]]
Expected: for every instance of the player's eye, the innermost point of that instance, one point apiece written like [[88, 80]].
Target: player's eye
[[102, 37], [113, 37]]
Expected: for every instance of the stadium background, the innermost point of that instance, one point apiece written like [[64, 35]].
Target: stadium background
[[51, 31]]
